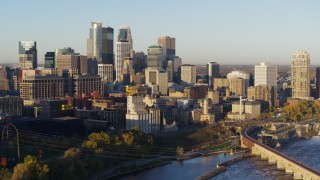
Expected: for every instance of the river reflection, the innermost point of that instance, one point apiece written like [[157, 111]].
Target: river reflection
[[306, 151], [188, 169]]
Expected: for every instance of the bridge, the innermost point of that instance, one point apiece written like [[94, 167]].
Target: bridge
[[283, 162]]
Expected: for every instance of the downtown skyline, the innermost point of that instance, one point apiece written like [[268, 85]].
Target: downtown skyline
[[226, 32]]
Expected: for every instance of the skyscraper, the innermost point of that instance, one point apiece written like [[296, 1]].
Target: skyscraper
[[49, 60], [107, 45], [28, 54], [169, 46], [265, 74], [188, 73], [155, 57], [300, 75], [94, 43], [266, 77], [124, 45], [213, 72]]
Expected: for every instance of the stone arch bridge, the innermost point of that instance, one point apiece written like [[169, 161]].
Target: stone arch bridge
[[283, 162]]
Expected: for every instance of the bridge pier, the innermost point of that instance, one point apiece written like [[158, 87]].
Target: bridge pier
[[297, 175], [272, 160], [264, 156], [280, 165]]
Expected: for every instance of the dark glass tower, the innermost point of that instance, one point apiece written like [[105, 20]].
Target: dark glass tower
[[107, 45], [49, 60]]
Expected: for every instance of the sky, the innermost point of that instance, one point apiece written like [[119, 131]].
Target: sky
[[225, 31]]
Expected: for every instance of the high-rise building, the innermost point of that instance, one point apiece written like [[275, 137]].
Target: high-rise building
[[49, 60], [140, 61], [300, 75], [105, 71], [100, 44], [107, 45], [213, 72], [155, 57], [124, 45], [188, 74], [265, 74], [94, 43], [28, 56], [157, 77], [169, 46], [318, 82]]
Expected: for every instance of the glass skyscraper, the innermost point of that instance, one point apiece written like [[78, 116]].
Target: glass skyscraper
[[49, 60], [100, 44]]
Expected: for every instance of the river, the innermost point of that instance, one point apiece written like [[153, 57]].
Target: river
[[306, 151]]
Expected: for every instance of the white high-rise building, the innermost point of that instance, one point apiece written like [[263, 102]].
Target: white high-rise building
[[188, 74], [94, 43], [265, 74], [105, 71], [124, 46], [300, 75]]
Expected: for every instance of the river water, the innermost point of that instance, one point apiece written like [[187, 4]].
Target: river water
[[306, 151]]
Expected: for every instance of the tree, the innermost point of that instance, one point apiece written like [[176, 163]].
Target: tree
[[71, 152], [89, 145], [5, 174], [30, 169], [180, 150]]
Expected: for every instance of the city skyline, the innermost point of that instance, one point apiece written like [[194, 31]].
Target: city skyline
[[235, 32]]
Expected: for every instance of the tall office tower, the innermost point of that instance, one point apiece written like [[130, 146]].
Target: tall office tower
[[318, 82], [94, 43], [49, 60], [300, 75], [28, 54], [170, 70], [140, 62], [158, 78], [177, 62], [188, 74], [107, 45], [124, 45], [213, 72], [169, 46], [105, 71], [155, 57], [265, 74]]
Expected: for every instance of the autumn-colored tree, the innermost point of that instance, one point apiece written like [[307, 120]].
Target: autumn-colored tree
[[30, 169], [180, 151]]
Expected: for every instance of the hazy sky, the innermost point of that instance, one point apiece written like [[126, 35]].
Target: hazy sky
[[225, 31]]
